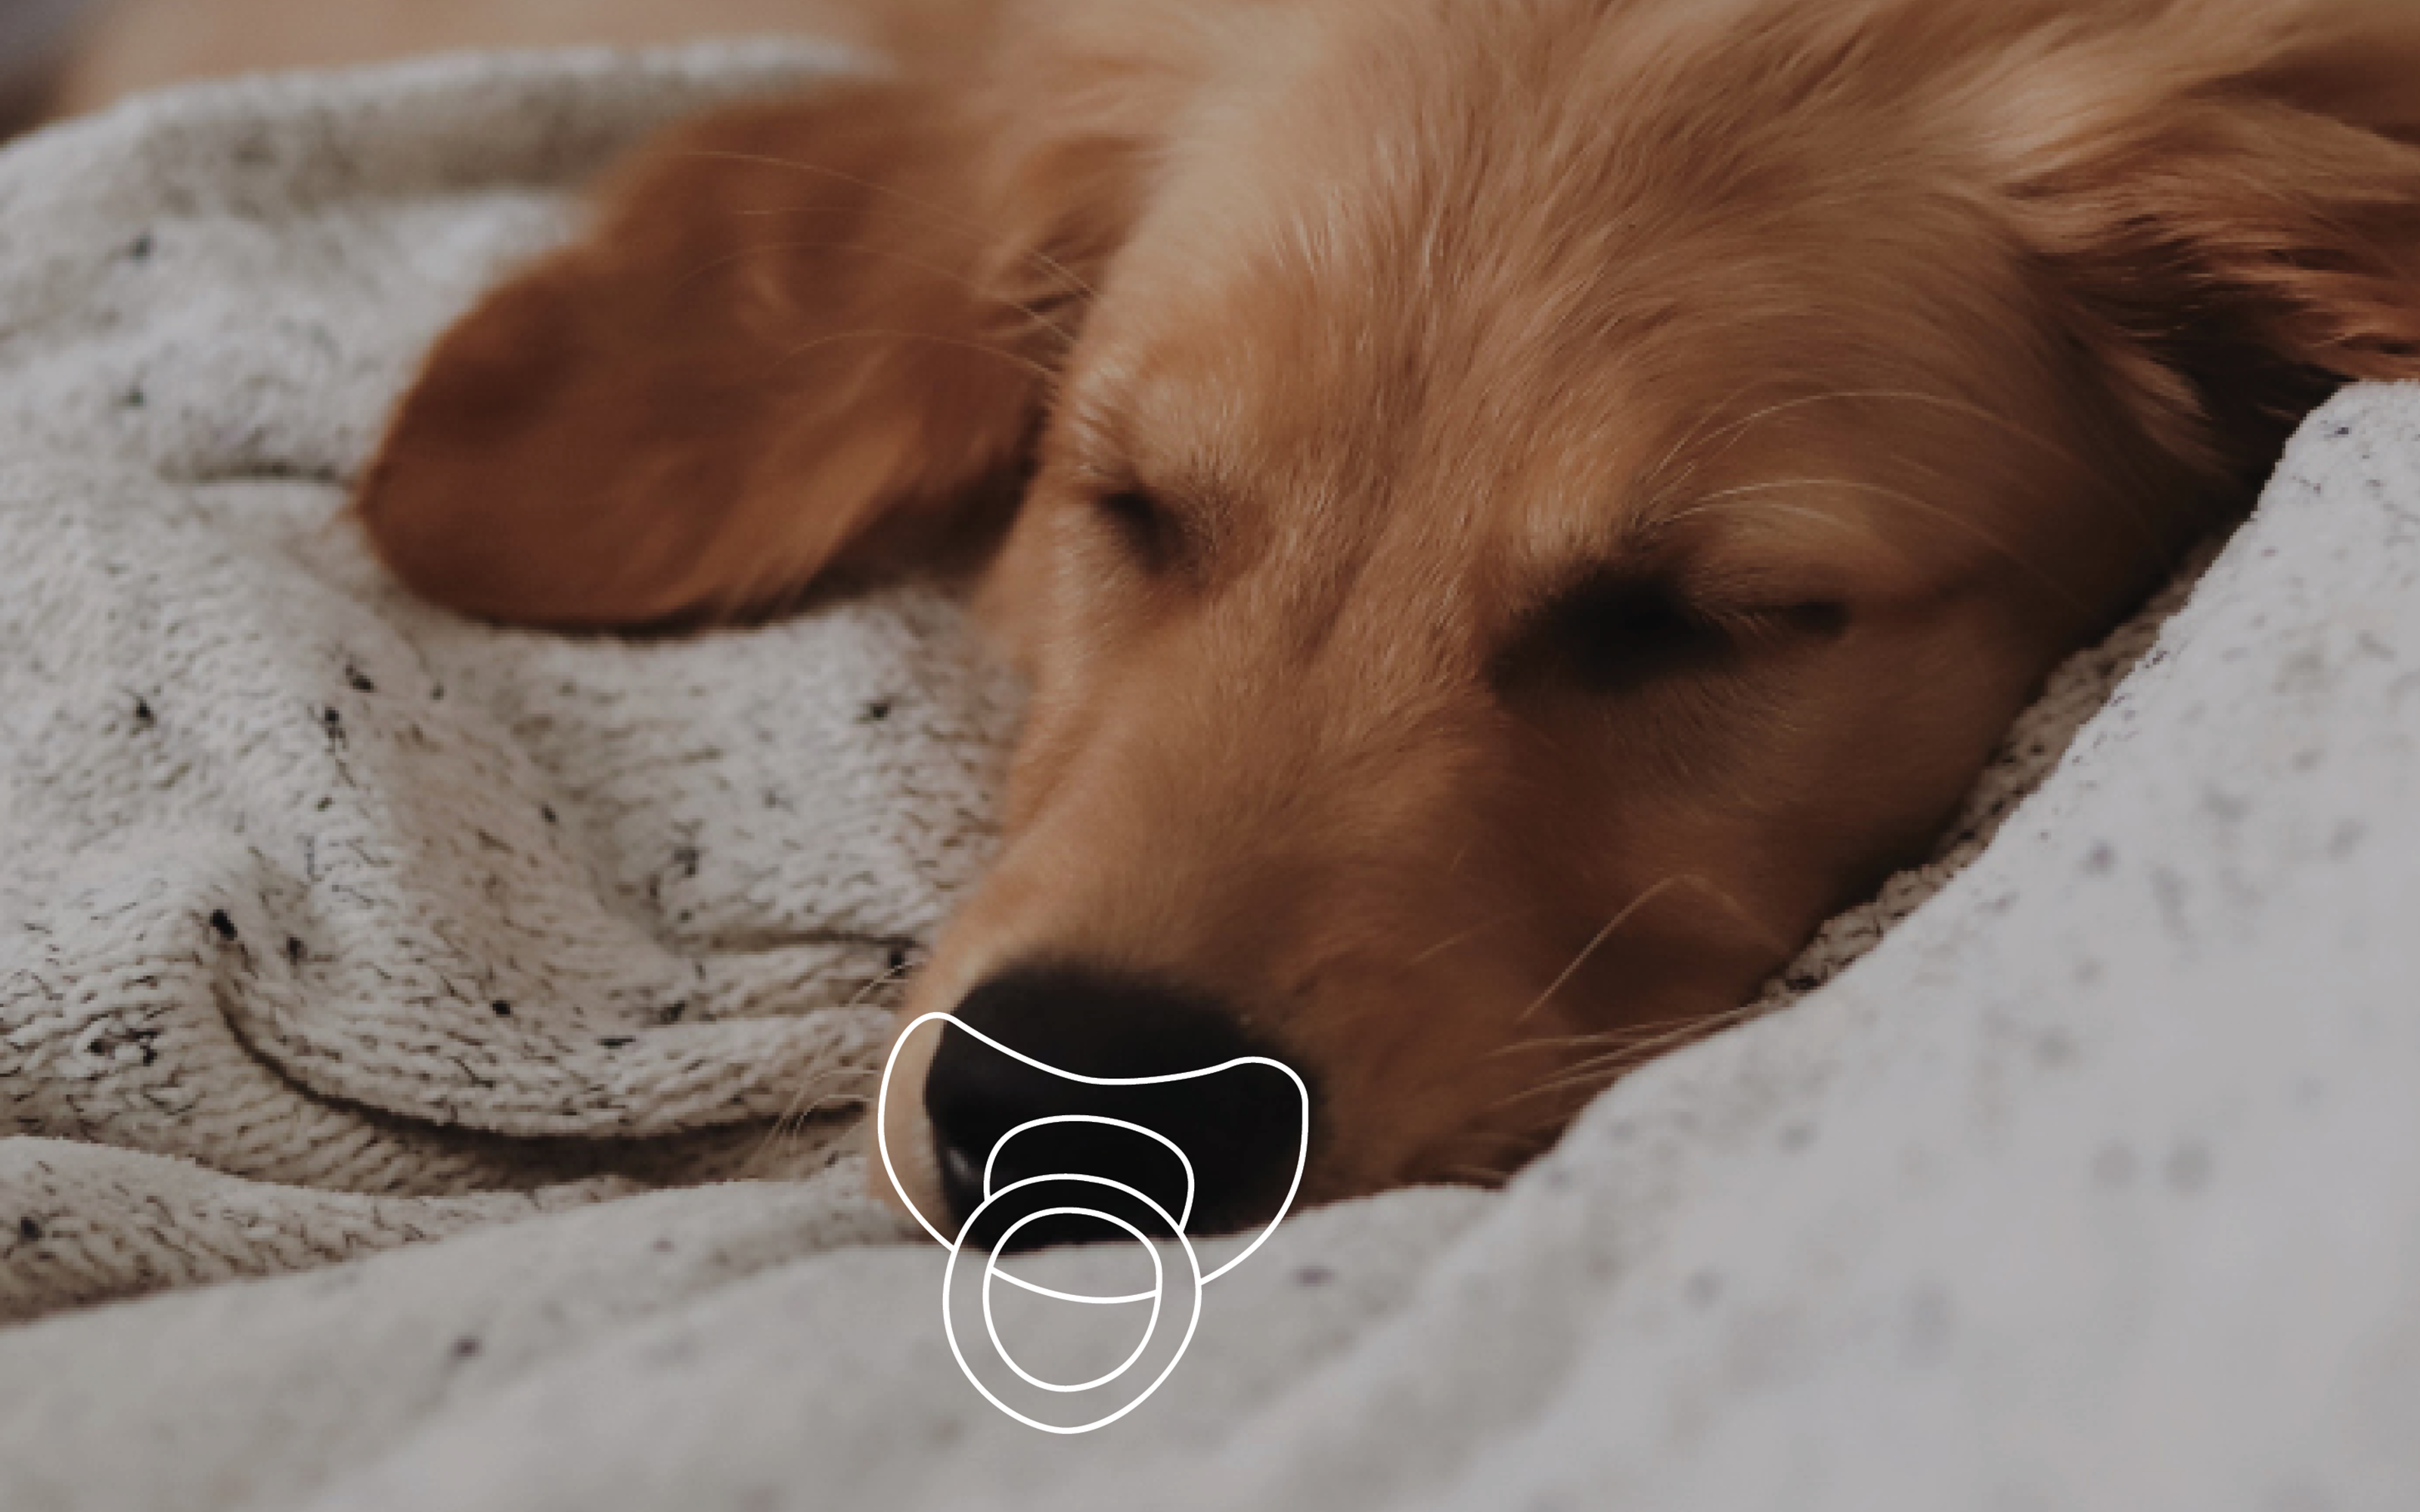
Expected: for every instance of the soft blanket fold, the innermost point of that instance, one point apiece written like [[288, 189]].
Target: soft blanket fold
[[314, 886], [329, 923]]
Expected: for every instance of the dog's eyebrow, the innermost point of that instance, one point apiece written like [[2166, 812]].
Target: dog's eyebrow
[[1699, 554], [1101, 452]]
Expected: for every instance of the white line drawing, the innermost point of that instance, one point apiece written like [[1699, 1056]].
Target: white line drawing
[[1156, 1296]]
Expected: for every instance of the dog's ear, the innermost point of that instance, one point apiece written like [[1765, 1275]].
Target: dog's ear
[[2232, 192], [799, 335]]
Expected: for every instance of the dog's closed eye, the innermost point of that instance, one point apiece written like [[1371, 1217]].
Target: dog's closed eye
[[1152, 538], [1614, 634]]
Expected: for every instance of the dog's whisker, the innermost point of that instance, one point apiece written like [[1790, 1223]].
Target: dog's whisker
[[1562, 1086], [810, 1098], [1770, 938], [1648, 1047], [1595, 1076], [1941, 401], [1589, 1066], [1624, 1035], [1950, 516], [1500, 1156], [1554, 1042], [1644, 1047], [1966, 409], [1597, 944], [815, 1097], [1655, 475], [1464, 938], [1737, 429], [1598, 1072], [793, 1113], [1710, 503]]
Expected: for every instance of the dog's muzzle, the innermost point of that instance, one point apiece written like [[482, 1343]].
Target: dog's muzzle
[[1217, 1145]]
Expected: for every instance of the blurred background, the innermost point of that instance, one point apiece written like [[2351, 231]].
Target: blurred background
[[35, 38], [63, 57]]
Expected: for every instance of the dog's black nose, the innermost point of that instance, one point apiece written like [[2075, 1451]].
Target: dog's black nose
[[1242, 1129]]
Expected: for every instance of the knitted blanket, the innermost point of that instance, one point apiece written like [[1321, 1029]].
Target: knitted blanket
[[392, 924], [2079, 1172]]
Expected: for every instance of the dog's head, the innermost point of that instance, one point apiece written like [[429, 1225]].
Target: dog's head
[[1515, 509]]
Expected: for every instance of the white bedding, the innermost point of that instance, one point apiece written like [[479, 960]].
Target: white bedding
[[2096, 1183]]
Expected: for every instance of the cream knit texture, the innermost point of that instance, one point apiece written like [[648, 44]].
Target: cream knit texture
[[394, 923]]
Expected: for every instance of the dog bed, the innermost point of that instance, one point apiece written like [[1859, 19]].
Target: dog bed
[[428, 1054]]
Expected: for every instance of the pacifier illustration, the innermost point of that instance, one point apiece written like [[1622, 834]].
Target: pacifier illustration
[[1153, 1158]]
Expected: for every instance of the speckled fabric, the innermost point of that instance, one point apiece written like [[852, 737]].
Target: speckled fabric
[[402, 924], [2080, 1171]]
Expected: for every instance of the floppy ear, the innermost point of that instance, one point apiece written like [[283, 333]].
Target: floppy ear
[[799, 333], [2233, 192]]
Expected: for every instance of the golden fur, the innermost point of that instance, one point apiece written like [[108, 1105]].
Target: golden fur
[[1521, 508]]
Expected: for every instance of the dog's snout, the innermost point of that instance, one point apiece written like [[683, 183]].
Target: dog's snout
[[998, 1121]]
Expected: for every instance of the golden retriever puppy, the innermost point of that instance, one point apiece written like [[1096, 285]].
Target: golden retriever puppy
[[1514, 510]]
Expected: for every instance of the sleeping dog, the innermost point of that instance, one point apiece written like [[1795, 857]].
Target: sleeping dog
[[1514, 511]]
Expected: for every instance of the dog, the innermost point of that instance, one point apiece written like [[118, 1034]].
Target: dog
[[1513, 511]]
